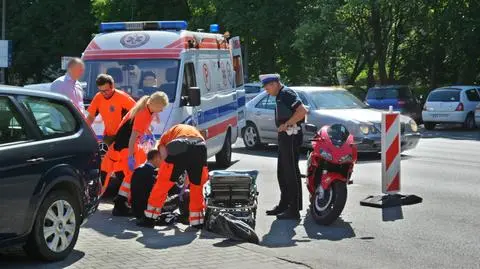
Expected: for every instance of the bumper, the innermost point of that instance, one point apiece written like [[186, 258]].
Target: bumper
[[374, 145], [91, 199], [444, 117]]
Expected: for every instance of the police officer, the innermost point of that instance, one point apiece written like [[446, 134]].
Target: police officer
[[289, 115]]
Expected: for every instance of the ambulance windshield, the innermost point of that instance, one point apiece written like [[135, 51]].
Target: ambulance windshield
[[136, 77]]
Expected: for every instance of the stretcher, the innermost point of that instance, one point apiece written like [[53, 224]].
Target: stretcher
[[232, 192]]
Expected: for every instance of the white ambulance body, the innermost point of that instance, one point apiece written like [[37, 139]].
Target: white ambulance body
[[163, 56]]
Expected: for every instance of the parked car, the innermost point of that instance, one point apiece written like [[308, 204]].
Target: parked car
[[327, 106], [252, 90], [401, 98], [477, 116], [454, 104], [49, 172], [44, 87]]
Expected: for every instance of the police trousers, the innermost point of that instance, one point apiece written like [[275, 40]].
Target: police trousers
[[288, 172]]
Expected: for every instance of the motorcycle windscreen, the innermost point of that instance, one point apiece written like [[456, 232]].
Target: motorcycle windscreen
[[338, 134]]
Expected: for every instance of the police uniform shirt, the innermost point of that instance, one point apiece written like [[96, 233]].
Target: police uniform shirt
[[287, 102]]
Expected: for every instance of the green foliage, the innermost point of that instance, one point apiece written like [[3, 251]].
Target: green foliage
[[319, 42]]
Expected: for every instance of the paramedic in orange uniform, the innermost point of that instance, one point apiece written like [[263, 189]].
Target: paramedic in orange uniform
[[183, 149], [133, 128], [112, 105]]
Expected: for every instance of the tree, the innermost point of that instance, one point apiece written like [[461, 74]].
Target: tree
[[42, 32]]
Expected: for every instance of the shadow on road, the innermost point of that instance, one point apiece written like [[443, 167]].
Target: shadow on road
[[452, 132], [281, 234], [392, 213], [339, 230], [16, 258], [155, 239], [124, 228]]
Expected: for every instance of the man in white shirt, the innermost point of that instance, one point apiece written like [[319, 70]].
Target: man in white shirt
[[69, 85]]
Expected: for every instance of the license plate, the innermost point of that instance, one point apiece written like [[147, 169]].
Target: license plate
[[437, 116]]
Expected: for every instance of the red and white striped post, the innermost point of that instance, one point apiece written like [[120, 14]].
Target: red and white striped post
[[391, 158], [391, 152]]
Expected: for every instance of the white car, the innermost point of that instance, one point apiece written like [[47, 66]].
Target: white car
[[454, 104], [477, 115]]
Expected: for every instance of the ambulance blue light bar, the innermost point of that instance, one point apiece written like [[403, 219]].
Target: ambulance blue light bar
[[214, 28], [106, 27]]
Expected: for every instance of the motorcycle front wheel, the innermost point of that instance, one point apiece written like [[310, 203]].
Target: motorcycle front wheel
[[327, 205]]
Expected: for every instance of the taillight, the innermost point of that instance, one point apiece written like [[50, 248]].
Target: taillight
[[401, 103], [425, 107], [459, 107]]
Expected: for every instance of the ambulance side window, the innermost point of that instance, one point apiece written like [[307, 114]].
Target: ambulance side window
[[189, 79]]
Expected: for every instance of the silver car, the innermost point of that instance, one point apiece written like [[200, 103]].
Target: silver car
[[252, 90], [326, 106]]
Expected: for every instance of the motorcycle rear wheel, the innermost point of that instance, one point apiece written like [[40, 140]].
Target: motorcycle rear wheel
[[325, 210]]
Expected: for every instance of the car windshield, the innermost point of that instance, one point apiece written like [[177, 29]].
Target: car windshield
[[337, 99], [444, 96], [382, 93], [136, 77]]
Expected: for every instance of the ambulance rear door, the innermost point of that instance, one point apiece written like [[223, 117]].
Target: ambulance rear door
[[237, 74]]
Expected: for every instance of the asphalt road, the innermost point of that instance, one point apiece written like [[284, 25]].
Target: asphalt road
[[441, 232]]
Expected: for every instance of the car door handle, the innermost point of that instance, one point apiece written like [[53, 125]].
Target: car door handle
[[258, 113], [35, 160]]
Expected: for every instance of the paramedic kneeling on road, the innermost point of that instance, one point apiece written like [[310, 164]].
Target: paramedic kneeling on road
[[290, 113], [112, 105], [184, 149], [133, 128]]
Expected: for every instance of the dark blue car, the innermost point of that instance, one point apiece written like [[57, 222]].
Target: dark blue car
[[401, 99], [49, 172]]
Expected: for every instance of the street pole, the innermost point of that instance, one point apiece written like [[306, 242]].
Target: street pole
[[4, 5]]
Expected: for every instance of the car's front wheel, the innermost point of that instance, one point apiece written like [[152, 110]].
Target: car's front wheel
[[56, 227]]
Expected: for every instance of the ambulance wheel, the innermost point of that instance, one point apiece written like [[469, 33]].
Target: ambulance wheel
[[56, 227], [224, 157]]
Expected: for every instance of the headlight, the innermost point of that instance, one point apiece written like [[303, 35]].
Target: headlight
[[364, 129], [327, 156], [413, 126], [346, 159]]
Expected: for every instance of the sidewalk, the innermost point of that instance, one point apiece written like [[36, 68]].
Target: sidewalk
[[115, 242]]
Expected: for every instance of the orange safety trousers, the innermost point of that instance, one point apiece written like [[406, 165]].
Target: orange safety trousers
[[114, 161], [164, 184], [140, 158]]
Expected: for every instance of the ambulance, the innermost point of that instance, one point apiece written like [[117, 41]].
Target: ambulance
[[145, 57]]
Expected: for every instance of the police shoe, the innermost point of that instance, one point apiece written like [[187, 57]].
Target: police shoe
[[276, 210]]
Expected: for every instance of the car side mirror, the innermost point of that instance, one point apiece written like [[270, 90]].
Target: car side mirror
[[193, 97], [311, 128]]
